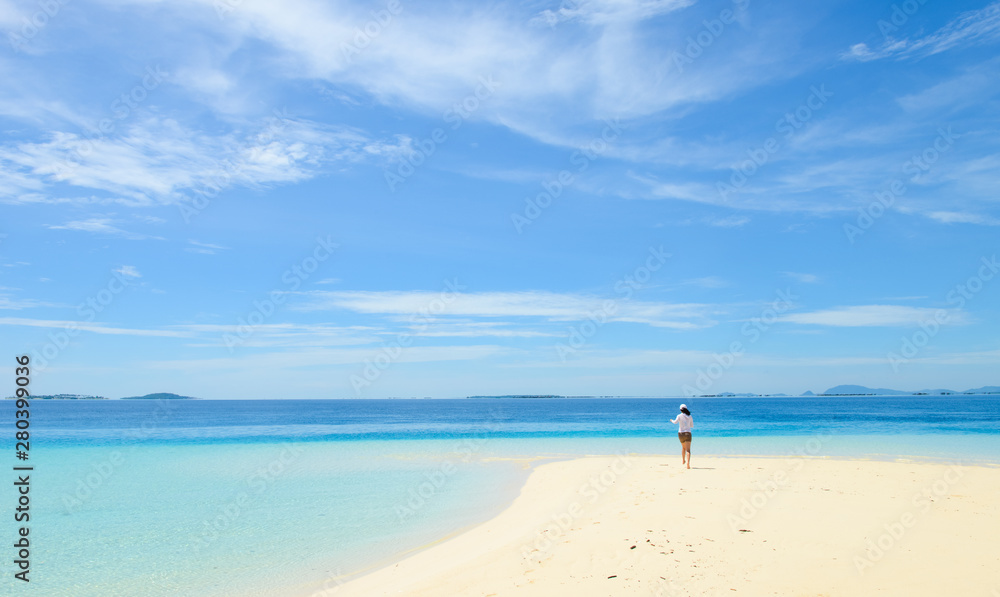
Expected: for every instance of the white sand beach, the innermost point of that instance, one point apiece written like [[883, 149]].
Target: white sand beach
[[644, 525]]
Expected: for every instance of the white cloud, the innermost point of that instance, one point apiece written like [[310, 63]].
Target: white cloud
[[698, 192], [547, 305], [603, 12], [212, 85], [392, 151], [6, 302], [876, 316], [149, 219], [204, 248], [601, 64], [763, 193], [96, 328], [101, 225], [863, 53], [969, 28], [129, 271], [971, 87], [159, 160], [957, 217], [859, 51], [729, 222]]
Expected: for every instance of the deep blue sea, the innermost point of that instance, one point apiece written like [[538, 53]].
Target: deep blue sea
[[276, 497]]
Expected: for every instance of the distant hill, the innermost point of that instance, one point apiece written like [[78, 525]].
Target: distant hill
[[851, 390], [160, 396], [984, 390], [808, 393]]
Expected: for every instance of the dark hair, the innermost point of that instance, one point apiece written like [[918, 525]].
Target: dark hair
[[686, 411]]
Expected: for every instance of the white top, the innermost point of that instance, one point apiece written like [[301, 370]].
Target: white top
[[684, 423]]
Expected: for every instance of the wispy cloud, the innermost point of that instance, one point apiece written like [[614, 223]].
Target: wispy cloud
[[969, 87], [728, 222], [603, 12], [974, 27], [958, 217], [96, 328], [14, 304], [773, 192], [688, 191], [204, 248], [601, 64], [549, 306], [874, 316], [129, 271], [159, 160], [104, 226], [149, 219]]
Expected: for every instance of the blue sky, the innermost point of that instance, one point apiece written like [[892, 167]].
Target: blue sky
[[243, 199]]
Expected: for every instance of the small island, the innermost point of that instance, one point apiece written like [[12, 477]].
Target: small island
[[851, 390], [61, 397]]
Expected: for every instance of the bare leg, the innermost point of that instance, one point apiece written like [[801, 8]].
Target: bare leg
[[683, 454], [687, 450]]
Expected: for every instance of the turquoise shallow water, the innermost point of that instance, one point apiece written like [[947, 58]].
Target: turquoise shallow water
[[243, 519], [246, 498]]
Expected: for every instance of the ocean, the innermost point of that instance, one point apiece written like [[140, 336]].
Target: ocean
[[259, 498]]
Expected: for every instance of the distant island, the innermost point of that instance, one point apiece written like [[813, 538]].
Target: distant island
[[160, 396], [855, 390], [841, 390], [61, 397], [851, 390]]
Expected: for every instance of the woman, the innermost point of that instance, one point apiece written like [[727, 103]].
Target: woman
[[684, 424]]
